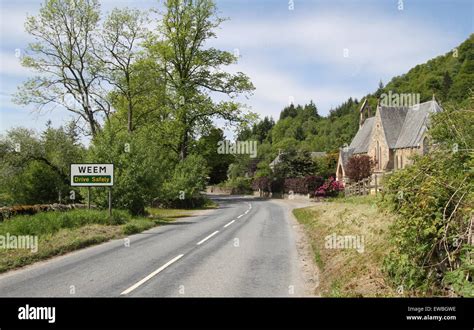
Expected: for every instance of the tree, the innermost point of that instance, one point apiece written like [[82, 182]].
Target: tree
[[62, 55], [122, 32], [359, 167], [218, 164], [379, 91], [192, 71], [35, 169], [187, 181], [446, 85], [294, 164]]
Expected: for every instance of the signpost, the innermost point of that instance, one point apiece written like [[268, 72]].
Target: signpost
[[93, 175]]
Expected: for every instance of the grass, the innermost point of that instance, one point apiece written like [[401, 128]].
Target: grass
[[345, 272], [62, 232]]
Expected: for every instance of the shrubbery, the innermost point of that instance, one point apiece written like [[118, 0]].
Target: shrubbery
[[330, 188], [186, 183], [434, 200], [359, 167]]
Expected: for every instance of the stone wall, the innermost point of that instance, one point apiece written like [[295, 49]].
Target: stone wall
[[378, 135], [403, 156]]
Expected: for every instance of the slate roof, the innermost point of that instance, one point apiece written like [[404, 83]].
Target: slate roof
[[392, 119], [415, 124], [346, 153], [360, 142]]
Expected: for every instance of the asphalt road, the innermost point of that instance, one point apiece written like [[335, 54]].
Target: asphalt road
[[245, 248]]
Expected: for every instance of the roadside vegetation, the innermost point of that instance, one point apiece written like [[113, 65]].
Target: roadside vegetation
[[418, 233], [62, 232], [434, 199], [347, 272]]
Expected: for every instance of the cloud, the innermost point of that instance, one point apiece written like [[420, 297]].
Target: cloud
[[380, 44], [275, 89]]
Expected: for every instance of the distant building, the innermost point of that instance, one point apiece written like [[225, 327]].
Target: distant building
[[390, 137]]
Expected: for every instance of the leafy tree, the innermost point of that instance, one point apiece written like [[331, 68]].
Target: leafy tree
[[122, 33], [141, 164], [294, 164], [36, 169], [187, 181], [62, 56], [218, 164], [193, 71]]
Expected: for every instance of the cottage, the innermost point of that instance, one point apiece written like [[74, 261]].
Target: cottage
[[390, 137]]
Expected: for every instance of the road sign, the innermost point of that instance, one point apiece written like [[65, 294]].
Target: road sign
[[92, 175]]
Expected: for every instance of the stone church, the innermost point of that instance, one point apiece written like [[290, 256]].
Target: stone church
[[390, 137]]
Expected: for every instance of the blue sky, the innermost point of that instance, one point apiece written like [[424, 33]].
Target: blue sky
[[289, 54]]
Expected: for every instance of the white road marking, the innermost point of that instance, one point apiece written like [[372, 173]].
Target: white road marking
[[229, 223], [205, 239], [136, 285], [240, 216], [246, 211]]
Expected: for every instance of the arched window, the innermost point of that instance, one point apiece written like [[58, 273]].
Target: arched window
[[401, 162], [377, 156]]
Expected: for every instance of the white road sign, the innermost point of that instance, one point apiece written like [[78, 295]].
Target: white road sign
[[92, 175]]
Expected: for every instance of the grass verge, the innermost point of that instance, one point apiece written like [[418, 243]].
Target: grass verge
[[344, 270], [61, 232]]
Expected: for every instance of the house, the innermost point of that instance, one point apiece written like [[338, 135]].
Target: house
[[390, 137]]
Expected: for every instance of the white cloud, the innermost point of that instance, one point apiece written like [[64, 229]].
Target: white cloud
[[275, 88], [381, 45]]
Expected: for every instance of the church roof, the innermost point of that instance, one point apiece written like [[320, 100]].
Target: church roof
[[415, 124], [346, 153], [392, 121], [360, 143]]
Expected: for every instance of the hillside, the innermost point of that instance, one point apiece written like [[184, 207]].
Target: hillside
[[450, 77]]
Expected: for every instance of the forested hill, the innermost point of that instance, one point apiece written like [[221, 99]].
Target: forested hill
[[450, 77]]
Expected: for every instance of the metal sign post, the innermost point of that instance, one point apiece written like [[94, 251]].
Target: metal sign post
[[110, 202], [88, 198]]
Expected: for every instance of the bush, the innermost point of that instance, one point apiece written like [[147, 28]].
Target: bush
[[330, 188], [184, 187], [433, 199], [359, 167]]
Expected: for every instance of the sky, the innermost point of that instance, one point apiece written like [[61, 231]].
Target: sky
[[292, 50]]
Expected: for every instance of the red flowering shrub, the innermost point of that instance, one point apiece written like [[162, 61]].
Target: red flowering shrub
[[330, 188]]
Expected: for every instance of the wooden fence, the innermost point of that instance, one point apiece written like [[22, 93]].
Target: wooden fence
[[367, 186]]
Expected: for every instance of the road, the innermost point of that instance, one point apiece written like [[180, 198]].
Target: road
[[245, 248]]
